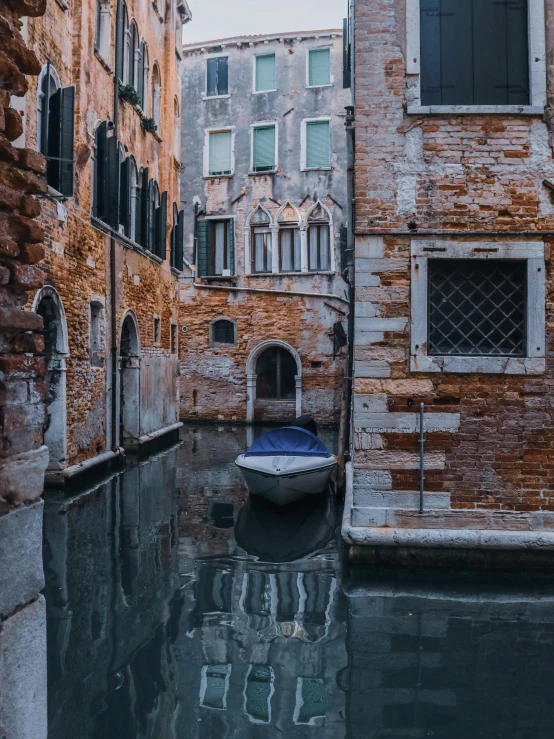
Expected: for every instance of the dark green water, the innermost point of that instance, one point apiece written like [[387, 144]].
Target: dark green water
[[160, 625]]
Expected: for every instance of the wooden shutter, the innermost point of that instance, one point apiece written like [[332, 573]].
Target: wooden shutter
[[161, 229], [346, 60], [120, 41], [202, 247], [222, 76], [430, 20], [111, 183], [263, 159], [319, 62], [265, 72], [66, 135], [125, 196], [140, 81], [138, 216], [151, 219], [53, 149], [212, 78], [179, 239], [231, 244], [99, 162], [457, 52], [220, 153], [143, 208], [318, 145], [517, 53]]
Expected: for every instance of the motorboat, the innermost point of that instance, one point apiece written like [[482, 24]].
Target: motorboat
[[286, 465]]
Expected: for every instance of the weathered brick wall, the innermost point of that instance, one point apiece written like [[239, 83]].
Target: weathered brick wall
[[23, 458], [77, 260], [450, 178]]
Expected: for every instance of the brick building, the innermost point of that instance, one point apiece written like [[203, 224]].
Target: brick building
[[104, 111], [454, 183], [264, 306]]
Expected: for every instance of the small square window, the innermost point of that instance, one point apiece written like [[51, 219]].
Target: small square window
[[477, 308], [223, 331], [318, 145], [265, 80], [319, 67], [220, 153]]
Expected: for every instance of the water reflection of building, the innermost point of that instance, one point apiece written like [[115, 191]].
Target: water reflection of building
[[111, 583], [261, 646]]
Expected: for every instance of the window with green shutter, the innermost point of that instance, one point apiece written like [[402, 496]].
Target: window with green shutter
[[319, 67], [220, 157], [215, 255], [318, 144], [264, 149], [265, 73], [474, 52]]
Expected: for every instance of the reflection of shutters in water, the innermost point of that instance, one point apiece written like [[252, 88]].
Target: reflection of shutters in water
[[288, 597], [314, 700], [257, 603], [214, 591], [215, 686], [258, 692], [276, 372], [318, 590]]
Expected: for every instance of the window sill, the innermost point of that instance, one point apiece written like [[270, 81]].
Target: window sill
[[261, 174], [479, 365], [315, 87], [123, 240], [317, 169], [218, 278], [290, 274], [214, 345], [102, 61], [218, 176], [216, 97], [475, 110], [262, 92]]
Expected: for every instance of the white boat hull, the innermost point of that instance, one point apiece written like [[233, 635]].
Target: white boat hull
[[284, 480]]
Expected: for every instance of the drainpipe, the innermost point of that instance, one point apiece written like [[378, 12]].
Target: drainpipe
[[113, 280]]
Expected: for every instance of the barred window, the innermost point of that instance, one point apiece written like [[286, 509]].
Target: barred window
[[477, 307], [223, 332]]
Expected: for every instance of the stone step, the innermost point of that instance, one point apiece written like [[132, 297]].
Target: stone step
[[400, 500], [394, 518]]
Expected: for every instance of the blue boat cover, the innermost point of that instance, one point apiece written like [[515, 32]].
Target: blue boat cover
[[289, 441]]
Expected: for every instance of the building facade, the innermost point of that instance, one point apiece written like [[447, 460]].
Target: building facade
[[264, 306], [455, 222], [104, 111]]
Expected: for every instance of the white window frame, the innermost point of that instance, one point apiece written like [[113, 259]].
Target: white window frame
[[204, 93], [534, 363], [207, 132], [254, 62], [537, 67], [303, 145], [263, 124], [331, 75]]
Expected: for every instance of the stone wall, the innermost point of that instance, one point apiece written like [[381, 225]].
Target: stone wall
[[23, 459], [429, 184]]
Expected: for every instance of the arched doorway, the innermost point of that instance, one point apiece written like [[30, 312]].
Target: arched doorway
[[129, 382], [47, 304], [274, 383]]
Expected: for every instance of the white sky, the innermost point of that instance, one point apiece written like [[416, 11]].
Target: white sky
[[213, 19]]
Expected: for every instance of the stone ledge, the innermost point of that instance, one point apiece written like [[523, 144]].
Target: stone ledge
[[21, 573]]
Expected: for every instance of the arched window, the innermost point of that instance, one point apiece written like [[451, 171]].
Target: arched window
[[177, 236], [48, 85], [261, 241], [319, 240], [133, 56], [106, 176], [143, 77], [128, 194], [102, 29], [122, 46], [176, 130], [276, 374], [153, 205], [156, 94], [289, 239], [55, 129], [223, 331]]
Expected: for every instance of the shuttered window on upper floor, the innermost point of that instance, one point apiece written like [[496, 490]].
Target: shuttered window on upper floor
[[218, 76], [318, 145], [474, 52], [264, 149], [265, 73], [215, 248], [220, 153], [319, 67]]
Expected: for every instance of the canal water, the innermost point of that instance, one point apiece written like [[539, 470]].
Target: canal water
[[178, 608]]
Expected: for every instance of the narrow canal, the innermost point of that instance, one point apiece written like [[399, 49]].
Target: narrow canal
[[177, 608]]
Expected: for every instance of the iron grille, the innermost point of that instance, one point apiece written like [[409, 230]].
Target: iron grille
[[477, 307], [224, 332]]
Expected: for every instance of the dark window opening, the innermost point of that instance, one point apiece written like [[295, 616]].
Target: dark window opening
[[477, 308], [223, 332], [276, 374], [474, 52], [157, 330], [173, 338], [218, 76], [56, 133]]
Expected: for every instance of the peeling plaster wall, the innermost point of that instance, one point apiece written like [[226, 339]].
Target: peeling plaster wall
[[214, 382], [489, 442]]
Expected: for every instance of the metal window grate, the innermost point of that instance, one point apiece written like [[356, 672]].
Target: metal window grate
[[477, 307], [224, 332]]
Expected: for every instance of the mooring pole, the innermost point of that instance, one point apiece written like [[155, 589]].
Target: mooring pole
[[421, 456]]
